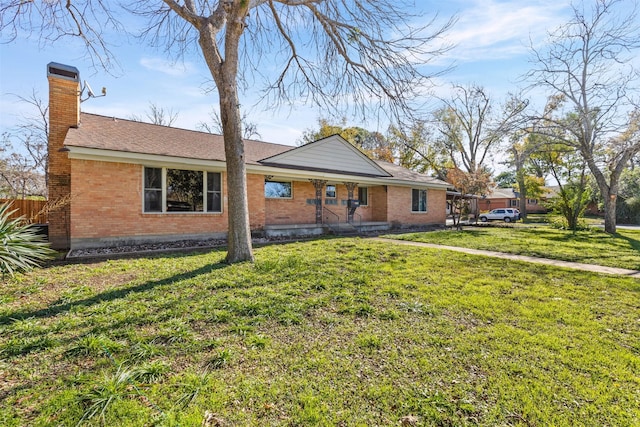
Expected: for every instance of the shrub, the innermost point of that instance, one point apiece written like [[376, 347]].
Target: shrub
[[21, 247]]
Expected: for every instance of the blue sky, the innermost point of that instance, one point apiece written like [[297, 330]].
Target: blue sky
[[491, 40]]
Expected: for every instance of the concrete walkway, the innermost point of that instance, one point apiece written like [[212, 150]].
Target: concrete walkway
[[567, 264]]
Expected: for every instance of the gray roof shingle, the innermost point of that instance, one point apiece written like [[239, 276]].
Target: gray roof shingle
[[109, 133]]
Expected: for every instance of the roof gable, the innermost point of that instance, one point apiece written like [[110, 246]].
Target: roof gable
[[333, 153]]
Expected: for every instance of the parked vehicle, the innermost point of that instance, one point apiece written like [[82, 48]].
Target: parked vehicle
[[501, 214]]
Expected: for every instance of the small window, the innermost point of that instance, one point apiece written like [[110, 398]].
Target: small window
[[532, 201], [514, 203], [152, 189], [418, 200], [330, 191], [214, 192], [363, 196], [277, 190]]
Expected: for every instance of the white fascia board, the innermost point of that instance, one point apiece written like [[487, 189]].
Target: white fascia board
[[155, 160], [303, 175]]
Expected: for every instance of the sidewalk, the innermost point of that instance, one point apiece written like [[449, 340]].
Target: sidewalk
[[566, 264]]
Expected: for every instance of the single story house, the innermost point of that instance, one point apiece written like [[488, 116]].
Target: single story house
[[508, 198], [119, 181]]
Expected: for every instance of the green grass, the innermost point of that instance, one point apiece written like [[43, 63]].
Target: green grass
[[332, 332], [590, 247]]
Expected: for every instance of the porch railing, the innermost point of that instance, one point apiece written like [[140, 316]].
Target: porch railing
[[357, 219], [330, 219]]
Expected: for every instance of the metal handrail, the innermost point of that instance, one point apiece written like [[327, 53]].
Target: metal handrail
[[359, 219], [325, 219]]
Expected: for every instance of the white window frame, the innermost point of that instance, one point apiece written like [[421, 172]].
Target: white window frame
[[426, 200], [335, 191]]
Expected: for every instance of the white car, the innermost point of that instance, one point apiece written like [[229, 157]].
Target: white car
[[504, 214]]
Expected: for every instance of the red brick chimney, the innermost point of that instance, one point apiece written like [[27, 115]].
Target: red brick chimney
[[64, 113]]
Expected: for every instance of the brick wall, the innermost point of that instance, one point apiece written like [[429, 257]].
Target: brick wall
[[378, 203], [255, 197], [108, 198], [294, 210], [399, 207], [64, 112], [107, 204]]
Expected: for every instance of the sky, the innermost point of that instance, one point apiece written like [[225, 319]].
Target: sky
[[491, 48]]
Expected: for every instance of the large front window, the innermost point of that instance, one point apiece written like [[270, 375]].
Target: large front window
[[277, 190], [418, 200], [180, 190]]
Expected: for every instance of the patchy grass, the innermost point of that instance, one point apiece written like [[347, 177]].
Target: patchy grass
[[589, 247], [333, 332]]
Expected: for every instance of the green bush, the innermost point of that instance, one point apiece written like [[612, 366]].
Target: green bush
[[21, 247]]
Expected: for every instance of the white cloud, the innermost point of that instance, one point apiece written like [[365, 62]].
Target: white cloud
[[493, 29], [174, 69]]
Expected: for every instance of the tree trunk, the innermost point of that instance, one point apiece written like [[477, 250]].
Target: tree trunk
[[225, 73], [610, 213], [608, 192], [239, 236]]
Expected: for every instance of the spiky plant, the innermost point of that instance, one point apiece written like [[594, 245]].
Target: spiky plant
[[21, 247]]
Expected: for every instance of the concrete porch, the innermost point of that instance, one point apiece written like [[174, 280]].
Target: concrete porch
[[342, 228]]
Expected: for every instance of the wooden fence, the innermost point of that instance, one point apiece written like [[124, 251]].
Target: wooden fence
[[30, 209]]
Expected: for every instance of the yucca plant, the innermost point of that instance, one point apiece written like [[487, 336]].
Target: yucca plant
[[21, 247]]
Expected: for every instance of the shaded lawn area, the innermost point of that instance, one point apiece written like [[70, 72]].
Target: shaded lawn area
[[590, 247], [330, 332]]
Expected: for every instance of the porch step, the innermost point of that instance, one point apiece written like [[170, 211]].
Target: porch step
[[343, 229]]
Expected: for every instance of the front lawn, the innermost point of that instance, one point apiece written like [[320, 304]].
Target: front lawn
[[342, 332], [590, 247]]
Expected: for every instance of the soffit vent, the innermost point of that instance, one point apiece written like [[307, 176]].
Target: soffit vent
[[63, 71]]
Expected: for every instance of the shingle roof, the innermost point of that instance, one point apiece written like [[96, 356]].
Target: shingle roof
[[114, 134], [404, 174], [108, 133]]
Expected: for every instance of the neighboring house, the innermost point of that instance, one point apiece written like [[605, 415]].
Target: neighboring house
[[130, 182], [508, 198]]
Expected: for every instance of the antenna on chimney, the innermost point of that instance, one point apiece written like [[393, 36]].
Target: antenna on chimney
[[90, 92]]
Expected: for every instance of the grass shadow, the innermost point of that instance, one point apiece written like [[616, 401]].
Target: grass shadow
[[111, 295]]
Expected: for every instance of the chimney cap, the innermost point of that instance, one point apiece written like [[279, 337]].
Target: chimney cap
[[62, 71]]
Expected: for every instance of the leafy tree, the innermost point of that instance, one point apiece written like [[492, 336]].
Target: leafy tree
[[468, 184], [520, 150], [569, 171], [333, 53], [506, 179], [373, 144], [414, 148], [588, 66]]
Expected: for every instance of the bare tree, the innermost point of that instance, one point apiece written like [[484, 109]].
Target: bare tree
[[415, 149], [19, 176], [588, 66], [32, 132], [23, 151], [356, 53], [157, 116], [471, 127], [214, 125]]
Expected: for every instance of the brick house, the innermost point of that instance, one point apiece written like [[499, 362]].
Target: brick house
[[131, 182], [509, 198]]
